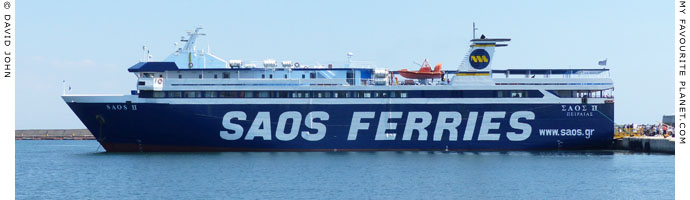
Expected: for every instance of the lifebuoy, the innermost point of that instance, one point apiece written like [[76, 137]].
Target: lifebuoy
[[191, 65], [296, 64]]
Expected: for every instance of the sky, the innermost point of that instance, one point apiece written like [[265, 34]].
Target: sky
[[90, 44]]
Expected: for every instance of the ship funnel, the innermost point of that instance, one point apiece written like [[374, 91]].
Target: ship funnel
[[476, 66], [480, 55]]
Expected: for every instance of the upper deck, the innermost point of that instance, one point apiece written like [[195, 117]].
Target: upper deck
[[148, 73], [189, 69]]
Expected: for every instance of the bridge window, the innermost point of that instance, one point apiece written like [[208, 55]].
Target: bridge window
[[588, 93], [158, 94], [263, 94], [577, 93], [227, 94], [501, 94], [341, 94], [145, 94], [192, 94], [282, 94], [477, 94], [226, 74], [518, 94], [350, 76], [247, 94], [175, 94], [179, 76], [563, 93], [210, 94]]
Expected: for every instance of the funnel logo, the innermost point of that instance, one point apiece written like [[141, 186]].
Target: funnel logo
[[479, 59]]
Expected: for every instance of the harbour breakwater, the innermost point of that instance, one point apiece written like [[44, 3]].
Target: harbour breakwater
[[53, 134]]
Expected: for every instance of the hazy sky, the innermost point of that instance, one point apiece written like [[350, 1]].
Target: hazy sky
[[90, 44]]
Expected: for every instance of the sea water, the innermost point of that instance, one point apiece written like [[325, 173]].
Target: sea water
[[82, 170]]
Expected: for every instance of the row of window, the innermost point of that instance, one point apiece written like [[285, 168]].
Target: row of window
[[226, 75], [554, 83], [346, 94], [583, 93]]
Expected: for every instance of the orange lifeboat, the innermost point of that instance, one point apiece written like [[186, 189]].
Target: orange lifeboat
[[423, 73]]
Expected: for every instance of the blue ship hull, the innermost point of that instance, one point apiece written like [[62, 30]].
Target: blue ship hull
[[346, 127]]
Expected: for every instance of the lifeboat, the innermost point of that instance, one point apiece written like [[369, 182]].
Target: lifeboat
[[424, 72]]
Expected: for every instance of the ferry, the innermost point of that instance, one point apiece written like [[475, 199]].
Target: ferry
[[195, 101]]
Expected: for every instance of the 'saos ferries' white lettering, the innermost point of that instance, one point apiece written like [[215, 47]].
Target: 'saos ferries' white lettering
[[261, 126], [446, 123]]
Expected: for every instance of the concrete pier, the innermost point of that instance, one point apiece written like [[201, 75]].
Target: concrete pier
[[53, 134], [646, 144]]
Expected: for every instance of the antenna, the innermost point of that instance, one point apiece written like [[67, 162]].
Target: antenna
[[473, 30], [349, 59], [143, 48]]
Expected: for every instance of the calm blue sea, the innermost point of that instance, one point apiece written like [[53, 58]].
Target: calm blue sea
[[81, 170]]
